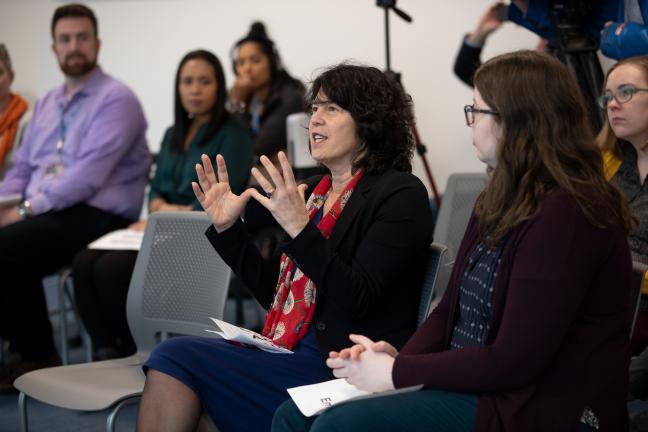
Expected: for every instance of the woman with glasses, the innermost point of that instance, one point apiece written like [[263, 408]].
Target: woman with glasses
[[624, 141], [527, 336]]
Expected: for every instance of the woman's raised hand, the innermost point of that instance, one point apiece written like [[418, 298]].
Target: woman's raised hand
[[285, 199], [222, 206], [242, 88]]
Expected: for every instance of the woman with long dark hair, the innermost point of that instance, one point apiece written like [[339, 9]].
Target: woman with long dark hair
[[201, 126], [263, 94], [532, 332]]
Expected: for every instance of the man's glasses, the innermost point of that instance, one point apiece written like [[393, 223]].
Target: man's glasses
[[622, 95], [470, 110]]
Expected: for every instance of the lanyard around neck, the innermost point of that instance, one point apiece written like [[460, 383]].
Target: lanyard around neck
[[69, 110]]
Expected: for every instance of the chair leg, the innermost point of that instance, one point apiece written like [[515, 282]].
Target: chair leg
[[85, 336], [112, 418], [22, 411], [87, 343], [63, 276]]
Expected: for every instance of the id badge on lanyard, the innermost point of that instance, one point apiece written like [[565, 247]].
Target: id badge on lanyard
[[55, 169]]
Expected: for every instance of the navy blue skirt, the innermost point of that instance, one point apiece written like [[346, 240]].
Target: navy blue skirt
[[239, 387]]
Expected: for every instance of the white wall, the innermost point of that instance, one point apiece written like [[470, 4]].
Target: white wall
[[143, 40]]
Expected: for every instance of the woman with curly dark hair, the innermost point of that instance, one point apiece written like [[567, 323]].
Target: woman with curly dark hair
[[532, 332], [352, 260]]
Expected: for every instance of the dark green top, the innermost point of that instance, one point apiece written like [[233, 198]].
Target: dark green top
[[175, 171]]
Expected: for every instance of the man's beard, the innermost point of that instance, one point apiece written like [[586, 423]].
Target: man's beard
[[79, 68]]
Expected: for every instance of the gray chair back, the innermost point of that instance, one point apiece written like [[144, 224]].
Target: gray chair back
[[298, 142], [179, 280], [638, 277], [456, 207], [434, 277], [298, 146]]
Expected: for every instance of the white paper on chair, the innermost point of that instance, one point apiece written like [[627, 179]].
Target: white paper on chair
[[315, 398], [10, 200], [124, 239], [245, 336]]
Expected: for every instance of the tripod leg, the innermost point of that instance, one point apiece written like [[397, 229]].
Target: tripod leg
[[592, 75], [589, 76]]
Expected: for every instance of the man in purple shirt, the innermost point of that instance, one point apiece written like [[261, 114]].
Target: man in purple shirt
[[80, 172]]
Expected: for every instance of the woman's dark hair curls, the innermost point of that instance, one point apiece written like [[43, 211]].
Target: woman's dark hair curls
[[381, 110]]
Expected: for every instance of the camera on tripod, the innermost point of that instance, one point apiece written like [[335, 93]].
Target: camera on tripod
[[575, 46], [572, 12], [569, 20]]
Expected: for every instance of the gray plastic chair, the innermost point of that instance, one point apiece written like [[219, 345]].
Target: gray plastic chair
[[434, 278], [178, 282], [298, 146], [456, 207]]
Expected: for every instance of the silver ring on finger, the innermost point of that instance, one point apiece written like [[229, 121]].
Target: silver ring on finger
[[269, 193]]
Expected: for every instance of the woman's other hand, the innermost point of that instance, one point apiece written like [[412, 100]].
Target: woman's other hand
[[140, 225], [159, 204], [371, 371], [175, 207], [222, 206], [354, 352], [285, 200]]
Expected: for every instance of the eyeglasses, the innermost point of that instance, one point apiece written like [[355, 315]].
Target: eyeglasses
[[622, 95], [470, 110]]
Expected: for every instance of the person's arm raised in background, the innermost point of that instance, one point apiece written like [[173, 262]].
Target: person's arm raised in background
[[468, 57]]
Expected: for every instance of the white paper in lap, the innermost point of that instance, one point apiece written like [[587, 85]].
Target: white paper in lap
[[315, 398], [245, 336], [123, 239]]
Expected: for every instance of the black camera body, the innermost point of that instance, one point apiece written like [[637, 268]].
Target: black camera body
[[571, 13], [570, 19], [576, 47]]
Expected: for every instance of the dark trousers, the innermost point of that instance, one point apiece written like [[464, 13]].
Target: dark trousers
[[426, 410], [101, 281], [30, 250]]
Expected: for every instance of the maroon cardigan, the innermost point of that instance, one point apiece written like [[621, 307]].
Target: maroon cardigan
[[558, 340]]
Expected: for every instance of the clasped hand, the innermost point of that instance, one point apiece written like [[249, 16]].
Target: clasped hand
[[285, 200], [367, 365]]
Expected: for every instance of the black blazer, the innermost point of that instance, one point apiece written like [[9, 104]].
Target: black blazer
[[368, 273]]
